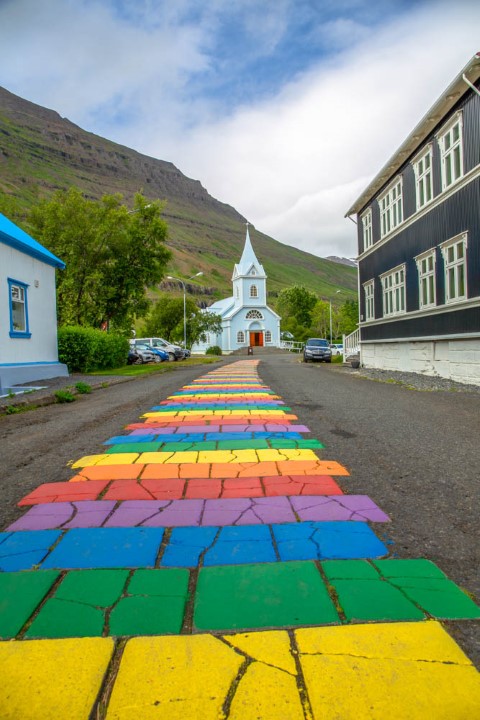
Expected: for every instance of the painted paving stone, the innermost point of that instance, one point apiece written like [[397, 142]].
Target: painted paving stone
[[89, 603], [20, 593], [250, 544], [105, 548], [174, 488], [256, 596], [51, 679], [232, 427], [215, 514], [159, 436], [22, 551], [398, 590], [120, 601], [171, 513], [261, 674], [185, 445], [111, 547]]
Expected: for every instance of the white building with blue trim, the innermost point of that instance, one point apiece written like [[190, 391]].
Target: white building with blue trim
[[246, 318], [28, 313]]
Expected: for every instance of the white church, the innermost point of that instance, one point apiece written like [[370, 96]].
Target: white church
[[246, 318]]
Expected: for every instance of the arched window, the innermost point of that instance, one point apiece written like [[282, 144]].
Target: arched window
[[237, 294], [268, 336], [240, 336], [253, 291], [254, 315]]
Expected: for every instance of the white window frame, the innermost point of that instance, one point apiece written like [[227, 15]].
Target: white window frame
[[254, 315], [451, 151], [422, 167], [367, 229], [369, 291], [253, 291], [268, 336], [391, 207], [394, 291], [427, 286], [455, 268], [240, 337]]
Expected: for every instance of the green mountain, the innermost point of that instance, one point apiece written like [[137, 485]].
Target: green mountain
[[41, 152]]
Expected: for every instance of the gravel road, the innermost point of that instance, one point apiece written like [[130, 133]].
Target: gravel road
[[414, 453]]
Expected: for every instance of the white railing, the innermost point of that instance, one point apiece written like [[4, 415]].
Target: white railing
[[291, 345], [351, 344]]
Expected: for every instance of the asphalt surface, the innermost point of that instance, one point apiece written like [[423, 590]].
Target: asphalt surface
[[414, 453]]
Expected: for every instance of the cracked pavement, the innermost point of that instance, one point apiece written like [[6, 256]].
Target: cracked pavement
[[210, 563]]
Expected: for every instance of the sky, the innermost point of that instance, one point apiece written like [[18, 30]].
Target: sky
[[285, 109]]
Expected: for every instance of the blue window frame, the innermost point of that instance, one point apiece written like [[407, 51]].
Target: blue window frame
[[18, 305]]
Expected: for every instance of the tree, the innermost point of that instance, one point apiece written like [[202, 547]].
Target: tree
[[321, 319], [200, 324], [166, 320], [297, 302], [111, 255], [349, 316]]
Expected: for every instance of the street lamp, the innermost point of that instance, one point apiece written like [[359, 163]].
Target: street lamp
[[171, 277], [336, 293]]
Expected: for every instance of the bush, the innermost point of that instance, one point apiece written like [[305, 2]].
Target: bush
[[86, 349], [214, 350], [83, 388], [64, 396]]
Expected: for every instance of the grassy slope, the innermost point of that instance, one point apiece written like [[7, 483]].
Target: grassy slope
[[41, 152]]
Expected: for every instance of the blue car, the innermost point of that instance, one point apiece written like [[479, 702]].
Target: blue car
[[160, 355]]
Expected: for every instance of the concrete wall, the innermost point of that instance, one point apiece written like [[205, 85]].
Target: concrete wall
[[454, 359], [36, 357]]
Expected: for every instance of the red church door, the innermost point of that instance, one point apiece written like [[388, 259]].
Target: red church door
[[256, 339]]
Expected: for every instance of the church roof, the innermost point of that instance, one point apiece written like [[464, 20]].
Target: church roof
[[221, 306], [248, 261]]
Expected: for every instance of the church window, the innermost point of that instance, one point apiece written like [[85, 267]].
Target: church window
[[268, 336], [254, 315], [253, 291], [240, 336], [237, 294]]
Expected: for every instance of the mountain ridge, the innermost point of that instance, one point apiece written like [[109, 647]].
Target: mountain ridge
[[41, 152]]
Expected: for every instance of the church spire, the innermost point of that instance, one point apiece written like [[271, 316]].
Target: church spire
[[248, 259]]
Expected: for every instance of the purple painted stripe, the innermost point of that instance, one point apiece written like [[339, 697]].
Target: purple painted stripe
[[177, 513]]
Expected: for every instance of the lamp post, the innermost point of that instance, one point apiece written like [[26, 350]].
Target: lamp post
[[171, 277], [336, 293]]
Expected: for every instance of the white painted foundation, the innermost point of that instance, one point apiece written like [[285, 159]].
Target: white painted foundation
[[457, 360]]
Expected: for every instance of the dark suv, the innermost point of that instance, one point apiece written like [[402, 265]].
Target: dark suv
[[317, 349]]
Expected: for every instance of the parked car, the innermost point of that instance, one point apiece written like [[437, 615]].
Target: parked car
[[317, 349], [158, 354], [175, 352], [336, 348], [138, 355]]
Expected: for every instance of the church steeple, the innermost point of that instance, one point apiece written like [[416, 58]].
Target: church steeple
[[248, 261], [249, 279]]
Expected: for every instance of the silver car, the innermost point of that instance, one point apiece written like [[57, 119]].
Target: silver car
[[175, 352]]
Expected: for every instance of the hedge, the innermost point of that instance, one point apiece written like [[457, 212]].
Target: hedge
[[86, 349]]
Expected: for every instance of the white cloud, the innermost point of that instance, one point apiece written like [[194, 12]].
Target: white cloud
[[292, 163]]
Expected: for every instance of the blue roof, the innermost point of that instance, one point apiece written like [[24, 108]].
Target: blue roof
[[12, 235]]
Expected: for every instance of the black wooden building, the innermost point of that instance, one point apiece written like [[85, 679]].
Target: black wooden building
[[419, 244]]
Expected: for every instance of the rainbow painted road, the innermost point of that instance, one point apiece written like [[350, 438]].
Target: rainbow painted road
[[211, 564]]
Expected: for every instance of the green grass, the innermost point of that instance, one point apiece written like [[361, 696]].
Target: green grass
[[156, 369]]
